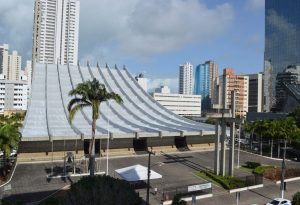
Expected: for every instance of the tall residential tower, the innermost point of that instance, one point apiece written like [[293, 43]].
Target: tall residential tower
[[186, 79], [282, 43], [55, 31]]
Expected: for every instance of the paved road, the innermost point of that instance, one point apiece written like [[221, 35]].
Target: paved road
[[29, 182]]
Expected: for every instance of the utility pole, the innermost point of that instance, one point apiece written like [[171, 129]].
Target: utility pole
[[148, 176]]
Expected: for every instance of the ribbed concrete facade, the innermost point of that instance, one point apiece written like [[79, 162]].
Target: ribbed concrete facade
[[140, 116]]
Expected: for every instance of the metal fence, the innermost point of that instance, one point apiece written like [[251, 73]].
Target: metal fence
[[185, 191]]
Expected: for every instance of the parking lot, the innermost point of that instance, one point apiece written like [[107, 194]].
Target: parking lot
[[29, 182]]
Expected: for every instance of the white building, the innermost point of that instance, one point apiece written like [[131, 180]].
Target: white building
[[13, 95], [186, 79], [55, 31], [10, 64], [186, 105], [142, 81]]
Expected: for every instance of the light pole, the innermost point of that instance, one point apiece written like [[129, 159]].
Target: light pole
[[282, 185], [239, 147], [107, 148], [148, 175]]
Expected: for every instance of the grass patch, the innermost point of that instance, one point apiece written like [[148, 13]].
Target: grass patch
[[205, 177], [246, 169], [262, 169], [226, 182]]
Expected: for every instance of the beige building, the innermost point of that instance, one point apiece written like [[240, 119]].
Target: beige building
[[230, 81], [10, 64], [213, 75]]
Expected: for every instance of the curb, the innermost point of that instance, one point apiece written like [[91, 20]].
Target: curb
[[190, 198]]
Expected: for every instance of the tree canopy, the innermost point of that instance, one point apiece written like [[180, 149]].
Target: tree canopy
[[101, 190]]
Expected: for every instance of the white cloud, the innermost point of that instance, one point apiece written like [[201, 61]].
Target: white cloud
[[124, 29], [16, 19], [172, 83], [255, 4], [145, 28]]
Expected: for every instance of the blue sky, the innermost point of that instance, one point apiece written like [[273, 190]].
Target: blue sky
[[155, 36]]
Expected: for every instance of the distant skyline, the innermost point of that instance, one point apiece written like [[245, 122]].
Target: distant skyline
[[154, 36]]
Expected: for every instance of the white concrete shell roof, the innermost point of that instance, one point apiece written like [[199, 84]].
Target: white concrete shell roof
[[139, 115]]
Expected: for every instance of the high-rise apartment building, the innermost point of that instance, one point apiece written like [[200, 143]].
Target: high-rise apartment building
[[55, 31], [205, 76], [186, 79], [255, 99], [14, 66], [10, 64], [228, 82], [282, 42], [3, 58]]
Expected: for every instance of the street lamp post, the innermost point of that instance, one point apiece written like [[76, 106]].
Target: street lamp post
[[239, 147], [148, 175], [282, 185]]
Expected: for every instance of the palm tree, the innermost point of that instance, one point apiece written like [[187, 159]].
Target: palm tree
[[272, 130], [288, 131], [249, 128], [260, 129], [9, 138], [90, 94]]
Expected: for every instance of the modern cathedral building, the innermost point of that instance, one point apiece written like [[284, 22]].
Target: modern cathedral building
[[138, 123], [282, 43]]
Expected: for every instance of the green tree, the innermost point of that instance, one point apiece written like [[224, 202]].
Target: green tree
[[101, 190], [9, 138], [90, 94], [296, 199], [296, 115]]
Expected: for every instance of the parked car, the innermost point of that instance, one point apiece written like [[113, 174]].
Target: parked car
[[13, 153], [280, 201], [1, 153]]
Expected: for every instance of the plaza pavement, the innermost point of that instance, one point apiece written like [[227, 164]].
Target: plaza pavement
[[30, 184]]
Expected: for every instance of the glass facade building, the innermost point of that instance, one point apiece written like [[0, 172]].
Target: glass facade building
[[282, 42], [202, 84]]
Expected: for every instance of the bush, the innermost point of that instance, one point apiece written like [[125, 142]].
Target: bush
[[262, 169], [226, 182], [252, 165], [296, 199]]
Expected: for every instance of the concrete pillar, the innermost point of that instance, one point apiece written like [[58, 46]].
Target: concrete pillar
[[232, 135], [223, 148], [217, 149]]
